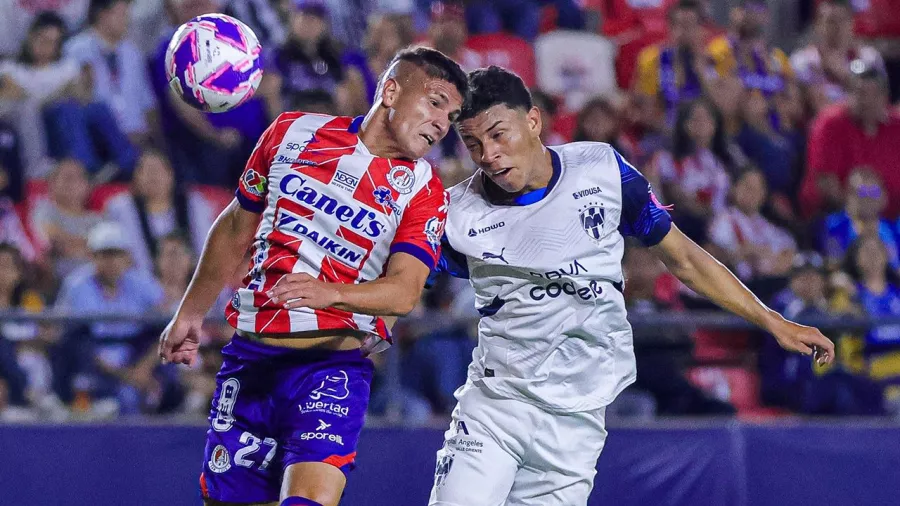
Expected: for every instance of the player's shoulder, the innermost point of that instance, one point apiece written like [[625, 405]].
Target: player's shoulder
[[292, 116], [465, 193], [300, 124], [585, 155]]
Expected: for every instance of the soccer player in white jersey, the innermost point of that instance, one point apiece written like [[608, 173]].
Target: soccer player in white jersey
[[343, 213], [539, 231]]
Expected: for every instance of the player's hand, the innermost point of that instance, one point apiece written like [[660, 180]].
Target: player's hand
[[179, 343], [302, 290], [802, 339]]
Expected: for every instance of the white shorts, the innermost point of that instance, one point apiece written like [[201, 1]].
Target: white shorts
[[502, 451]]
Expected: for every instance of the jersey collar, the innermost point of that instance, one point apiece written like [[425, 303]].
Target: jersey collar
[[355, 124], [497, 196]]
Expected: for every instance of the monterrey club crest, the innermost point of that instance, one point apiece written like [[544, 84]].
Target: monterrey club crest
[[592, 218], [401, 179]]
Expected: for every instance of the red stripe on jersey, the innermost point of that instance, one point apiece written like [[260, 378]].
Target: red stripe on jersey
[[335, 271], [330, 318], [328, 145], [282, 257], [231, 315]]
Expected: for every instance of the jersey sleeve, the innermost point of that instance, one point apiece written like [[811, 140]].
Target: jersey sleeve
[[420, 230], [643, 216], [254, 183], [451, 261]]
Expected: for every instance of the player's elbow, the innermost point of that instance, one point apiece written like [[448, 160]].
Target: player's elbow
[[403, 301], [404, 305]]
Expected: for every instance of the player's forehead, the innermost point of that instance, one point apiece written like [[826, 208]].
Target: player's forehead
[[441, 89], [496, 116]]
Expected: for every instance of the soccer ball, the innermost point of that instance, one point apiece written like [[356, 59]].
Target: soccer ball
[[212, 63]]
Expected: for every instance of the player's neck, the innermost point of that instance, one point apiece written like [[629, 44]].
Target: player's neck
[[543, 170], [376, 135]]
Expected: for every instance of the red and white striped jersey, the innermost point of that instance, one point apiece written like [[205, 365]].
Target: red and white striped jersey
[[333, 210]]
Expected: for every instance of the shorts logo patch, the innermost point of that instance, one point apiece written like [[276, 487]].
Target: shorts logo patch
[[334, 386], [220, 460], [322, 425], [224, 419], [442, 469], [331, 408], [322, 436]]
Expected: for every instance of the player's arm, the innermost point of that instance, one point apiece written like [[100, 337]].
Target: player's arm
[[415, 251], [228, 240], [644, 218], [700, 271], [394, 294], [226, 244]]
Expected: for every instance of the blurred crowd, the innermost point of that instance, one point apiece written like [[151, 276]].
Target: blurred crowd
[[769, 126]]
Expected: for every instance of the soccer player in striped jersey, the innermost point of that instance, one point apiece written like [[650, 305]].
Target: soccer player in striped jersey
[[540, 233], [345, 215]]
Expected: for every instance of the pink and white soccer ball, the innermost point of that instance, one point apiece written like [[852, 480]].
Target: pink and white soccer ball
[[213, 64]]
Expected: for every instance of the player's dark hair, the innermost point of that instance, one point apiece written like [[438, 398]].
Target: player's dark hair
[[45, 19], [493, 86], [435, 64], [685, 5], [544, 101]]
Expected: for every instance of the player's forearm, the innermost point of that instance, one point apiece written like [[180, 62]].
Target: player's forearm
[[223, 253], [390, 296], [700, 271]]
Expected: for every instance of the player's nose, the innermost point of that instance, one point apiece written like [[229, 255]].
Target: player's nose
[[489, 153], [442, 124]]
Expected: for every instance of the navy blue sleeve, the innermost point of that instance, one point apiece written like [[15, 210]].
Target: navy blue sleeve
[[642, 214], [451, 261]]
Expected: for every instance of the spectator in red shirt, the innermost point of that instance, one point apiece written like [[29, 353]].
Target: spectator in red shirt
[[862, 133]]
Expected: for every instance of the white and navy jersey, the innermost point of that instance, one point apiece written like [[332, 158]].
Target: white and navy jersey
[[333, 210], [547, 275]]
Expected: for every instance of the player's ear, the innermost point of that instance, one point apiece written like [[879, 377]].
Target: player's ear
[[389, 92], [534, 121]]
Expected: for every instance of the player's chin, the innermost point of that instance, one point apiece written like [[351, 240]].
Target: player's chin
[[507, 185], [418, 148]]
